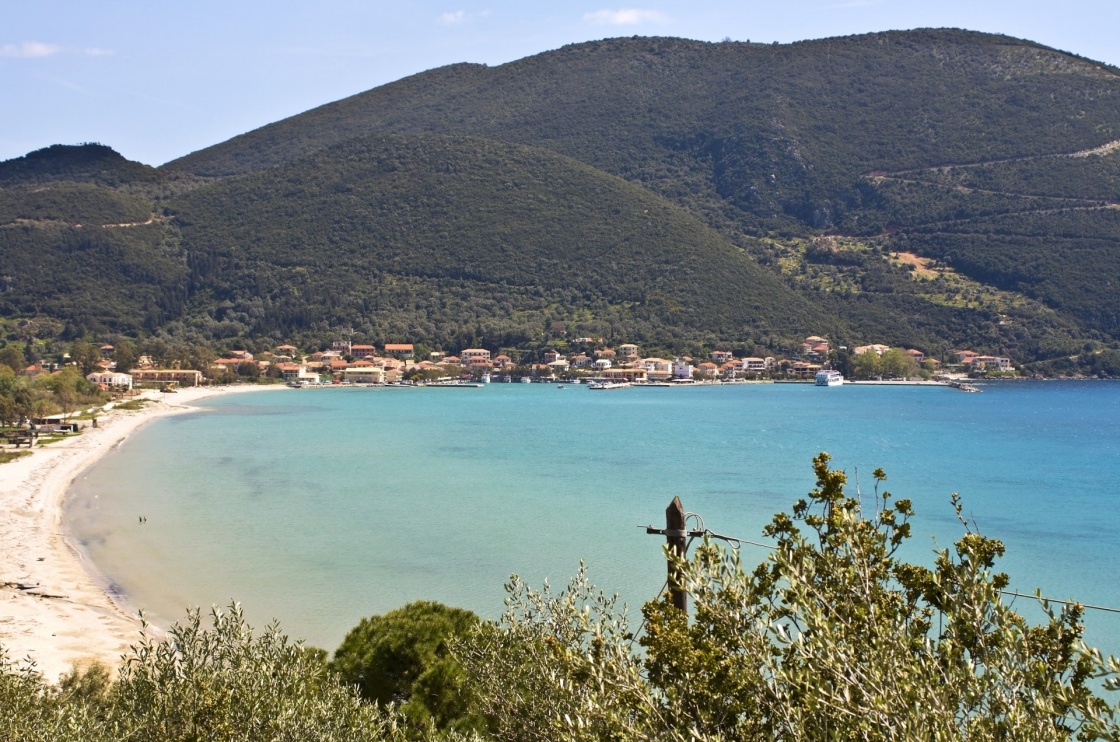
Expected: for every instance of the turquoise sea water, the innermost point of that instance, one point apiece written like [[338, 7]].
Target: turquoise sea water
[[318, 507]]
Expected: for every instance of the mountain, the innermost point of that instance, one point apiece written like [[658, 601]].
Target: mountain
[[931, 188], [442, 238], [994, 156]]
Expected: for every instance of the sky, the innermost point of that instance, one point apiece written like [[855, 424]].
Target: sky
[[158, 80]]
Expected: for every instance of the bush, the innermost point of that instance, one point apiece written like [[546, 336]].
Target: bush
[[403, 657]]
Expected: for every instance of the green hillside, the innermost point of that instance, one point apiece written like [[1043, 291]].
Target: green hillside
[[451, 240], [82, 240], [879, 135], [81, 163], [934, 189]]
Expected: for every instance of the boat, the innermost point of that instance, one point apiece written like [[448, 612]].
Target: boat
[[485, 378], [560, 387], [526, 380], [597, 385], [829, 378]]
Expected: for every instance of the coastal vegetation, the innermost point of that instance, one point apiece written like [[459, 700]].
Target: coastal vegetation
[[23, 398], [833, 636]]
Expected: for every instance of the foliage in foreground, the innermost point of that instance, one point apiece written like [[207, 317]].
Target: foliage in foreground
[[403, 657], [219, 683], [832, 638]]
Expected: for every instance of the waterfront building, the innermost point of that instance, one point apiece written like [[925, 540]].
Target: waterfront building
[[399, 350], [475, 358], [111, 380], [182, 377]]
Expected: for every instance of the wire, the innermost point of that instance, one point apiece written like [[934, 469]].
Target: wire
[[738, 542], [1042, 598]]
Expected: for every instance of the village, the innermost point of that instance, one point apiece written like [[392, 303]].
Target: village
[[345, 362]]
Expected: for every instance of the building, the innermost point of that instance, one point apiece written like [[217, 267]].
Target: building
[[992, 363], [657, 369], [111, 380], [722, 356], [709, 368], [474, 358], [401, 350], [625, 374], [964, 356], [755, 365], [682, 369], [363, 351], [364, 374], [182, 377], [802, 370], [628, 352]]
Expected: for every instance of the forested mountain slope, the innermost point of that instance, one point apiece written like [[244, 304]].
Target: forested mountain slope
[[845, 136], [933, 188], [450, 239]]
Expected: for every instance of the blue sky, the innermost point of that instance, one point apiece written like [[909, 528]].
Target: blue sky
[[156, 80]]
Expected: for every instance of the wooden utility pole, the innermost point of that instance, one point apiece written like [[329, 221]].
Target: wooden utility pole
[[675, 538]]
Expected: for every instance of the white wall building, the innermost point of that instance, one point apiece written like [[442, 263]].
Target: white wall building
[[111, 379]]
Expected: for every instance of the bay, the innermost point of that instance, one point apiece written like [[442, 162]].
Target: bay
[[319, 507]]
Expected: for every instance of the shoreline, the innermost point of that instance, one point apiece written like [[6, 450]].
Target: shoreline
[[69, 617]]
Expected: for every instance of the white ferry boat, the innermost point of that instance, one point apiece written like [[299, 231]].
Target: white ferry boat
[[829, 378]]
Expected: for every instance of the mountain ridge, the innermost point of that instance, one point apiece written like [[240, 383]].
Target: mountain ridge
[[953, 147]]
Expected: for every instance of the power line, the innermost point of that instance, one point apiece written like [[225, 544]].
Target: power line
[[736, 543]]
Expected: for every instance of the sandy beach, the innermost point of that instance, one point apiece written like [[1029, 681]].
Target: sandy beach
[[53, 609]]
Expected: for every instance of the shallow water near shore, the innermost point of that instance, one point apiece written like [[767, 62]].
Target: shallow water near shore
[[319, 507]]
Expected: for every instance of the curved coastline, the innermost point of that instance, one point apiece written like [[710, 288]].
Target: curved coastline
[[58, 609]]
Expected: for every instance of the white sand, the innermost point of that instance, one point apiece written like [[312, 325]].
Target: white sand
[[68, 618]]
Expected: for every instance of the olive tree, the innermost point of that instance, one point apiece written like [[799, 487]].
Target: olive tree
[[832, 637], [222, 682]]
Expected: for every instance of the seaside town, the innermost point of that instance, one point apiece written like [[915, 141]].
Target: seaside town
[[588, 359]]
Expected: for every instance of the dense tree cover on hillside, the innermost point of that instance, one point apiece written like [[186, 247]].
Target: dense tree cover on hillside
[[81, 163], [73, 203], [988, 154], [754, 138], [832, 637], [330, 237]]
